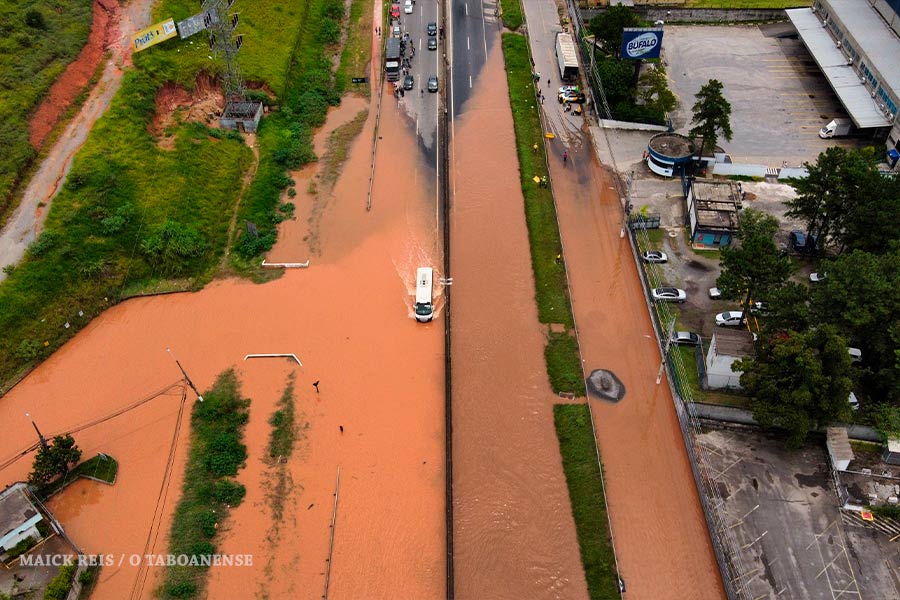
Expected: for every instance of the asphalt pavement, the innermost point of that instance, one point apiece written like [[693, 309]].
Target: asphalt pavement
[[473, 29]]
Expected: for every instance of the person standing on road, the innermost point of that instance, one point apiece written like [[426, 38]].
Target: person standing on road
[[548, 82], [565, 157]]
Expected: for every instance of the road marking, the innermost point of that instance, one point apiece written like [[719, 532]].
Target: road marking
[[468, 47], [467, 9], [470, 82], [484, 30]]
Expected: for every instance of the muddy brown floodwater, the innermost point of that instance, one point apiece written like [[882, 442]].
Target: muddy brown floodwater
[[661, 540], [514, 532], [348, 319]]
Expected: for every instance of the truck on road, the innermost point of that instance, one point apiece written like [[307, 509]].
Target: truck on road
[[392, 59], [424, 304], [836, 128], [567, 57]]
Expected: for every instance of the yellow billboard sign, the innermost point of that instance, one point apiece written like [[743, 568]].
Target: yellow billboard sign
[[153, 35]]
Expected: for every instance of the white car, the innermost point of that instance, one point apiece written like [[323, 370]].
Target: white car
[[408, 7], [855, 354], [853, 401], [817, 277], [729, 318], [668, 294], [654, 256], [715, 293]]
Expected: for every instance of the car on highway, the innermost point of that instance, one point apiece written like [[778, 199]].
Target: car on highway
[[654, 256], [668, 294], [395, 11], [408, 7], [572, 96], [687, 338], [433, 83], [817, 277], [431, 28], [729, 318], [408, 82], [432, 43]]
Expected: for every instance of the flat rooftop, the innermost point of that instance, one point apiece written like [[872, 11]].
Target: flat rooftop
[[844, 80], [15, 508], [734, 342], [717, 204]]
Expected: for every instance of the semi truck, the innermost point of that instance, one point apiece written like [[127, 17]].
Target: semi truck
[[836, 128], [567, 57], [392, 59]]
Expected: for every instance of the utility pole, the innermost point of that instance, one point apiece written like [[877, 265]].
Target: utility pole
[[41, 437], [186, 378]]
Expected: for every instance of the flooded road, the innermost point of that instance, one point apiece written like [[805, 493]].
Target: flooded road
[[661, 540], [514, 535], [348, 319]]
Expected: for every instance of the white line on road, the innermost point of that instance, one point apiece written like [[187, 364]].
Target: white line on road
[[470, 82], [484, 30], [468, 47], [467, 9]]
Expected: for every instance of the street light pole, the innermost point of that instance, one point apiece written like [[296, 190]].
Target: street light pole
[[41, 437], [186, 378]]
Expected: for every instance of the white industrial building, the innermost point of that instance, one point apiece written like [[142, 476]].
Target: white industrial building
[[856, 44], [726, 347]]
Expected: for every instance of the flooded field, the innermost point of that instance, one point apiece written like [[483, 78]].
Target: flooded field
[[514, 536], [661, 540], [348, 319]]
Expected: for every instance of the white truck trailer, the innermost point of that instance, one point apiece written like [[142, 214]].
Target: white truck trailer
[[567, 57]]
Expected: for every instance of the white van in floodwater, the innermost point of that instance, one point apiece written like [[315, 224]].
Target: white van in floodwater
[[424, 305]]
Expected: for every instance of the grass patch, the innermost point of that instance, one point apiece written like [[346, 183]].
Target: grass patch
[[512, 13], [339, 147], [585, 482], [37, 44], [88, 580], [564, 363], [552, 293], [209, 490], [133, 218], [101, 467], [357, 52], [284, 432]]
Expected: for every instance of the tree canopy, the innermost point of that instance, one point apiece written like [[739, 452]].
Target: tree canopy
[[607, 27], [712, 115], [753, 267], [799, 381], [54, 460]]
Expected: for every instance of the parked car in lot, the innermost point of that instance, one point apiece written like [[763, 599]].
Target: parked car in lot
[[396, 32], [729, 318], [408, 82], [433, 83], [855, 355], [432, 43], [395, 11], [654, 256], [687, 338], [799, 242], [853, 401], [668, 294], [408, 7], [431, 28], [817, 277]]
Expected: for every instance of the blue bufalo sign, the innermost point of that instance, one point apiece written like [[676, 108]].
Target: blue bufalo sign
[[641, 42]]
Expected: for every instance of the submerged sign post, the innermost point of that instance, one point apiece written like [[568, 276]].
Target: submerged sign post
[[641, 42], [153, 35]]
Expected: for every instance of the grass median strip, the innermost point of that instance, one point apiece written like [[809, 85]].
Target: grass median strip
[[512, 13], [551, 286], [583, 477], [209, 490]]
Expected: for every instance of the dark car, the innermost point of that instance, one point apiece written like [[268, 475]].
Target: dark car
[[433, 83], [432, 43], [802, 243], [408, 82], [431, 28]]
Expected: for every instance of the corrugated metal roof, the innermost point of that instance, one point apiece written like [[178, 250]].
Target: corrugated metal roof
[[872, 37], [838, 443], [843, 79]]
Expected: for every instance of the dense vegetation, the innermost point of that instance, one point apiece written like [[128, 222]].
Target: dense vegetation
[[552, 294], [36, 44], [585, 482], [798, 378], [133, 217], [209, 490]]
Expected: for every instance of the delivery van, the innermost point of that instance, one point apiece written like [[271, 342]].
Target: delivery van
[[424, 304]]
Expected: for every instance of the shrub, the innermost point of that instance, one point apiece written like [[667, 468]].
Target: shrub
[[35, 19], [172, 246], [230, 492], [44, 243], [225, 454], [60, 585]]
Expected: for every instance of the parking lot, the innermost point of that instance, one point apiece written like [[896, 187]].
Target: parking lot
[[794, 540], [779, 98]]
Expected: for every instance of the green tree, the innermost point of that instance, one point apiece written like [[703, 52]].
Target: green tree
[[871, 222], [712, 115], [787, 307], [607, 27], [753, 267], [54, 460], [799, 381], [653, 89], [860, 297], [172, 246]]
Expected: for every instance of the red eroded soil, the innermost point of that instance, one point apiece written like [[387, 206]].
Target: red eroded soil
[[203, 104], [62, 93], [514, 535]]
